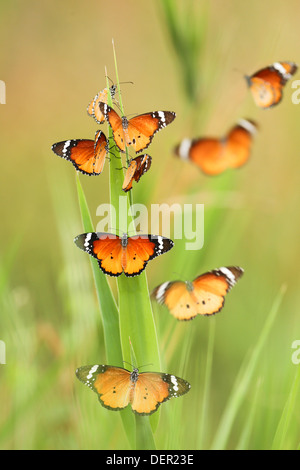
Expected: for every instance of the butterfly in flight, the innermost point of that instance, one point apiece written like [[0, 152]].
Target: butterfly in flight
[[116, 255], [267, 84], [205, 295], [137, 167], [117, 387], [215, 155], [88, 156], [93, 109], [137, 131]]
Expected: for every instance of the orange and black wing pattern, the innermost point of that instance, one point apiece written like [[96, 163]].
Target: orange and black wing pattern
[[93, 109], [204, 296], [137, 132], [137, 167], [112, 384], [117, 387], [267, 84], [238, 143], [215, 155], [116, 255], [87, 156]]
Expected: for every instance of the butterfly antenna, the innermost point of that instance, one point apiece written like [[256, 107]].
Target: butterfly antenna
[[122, 83], [126, 362]]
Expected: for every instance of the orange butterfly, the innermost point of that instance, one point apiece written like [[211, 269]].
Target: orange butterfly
[[214, 155], [93, 109], [117, 387], [267, 84], [204, 296], [116, 255], [137, 167], [138, 131], [88, 156]]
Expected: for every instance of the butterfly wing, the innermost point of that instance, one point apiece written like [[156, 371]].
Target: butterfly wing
[[267, 84], [100, 152], [86, 155], [238, 143], [211, 288], [177, 298], [153, 388], [93, 108], [105, 247], [114, 258], [141, 249], [204, 296], [112, 384], [115, 123], [141, 129], [137, 167]]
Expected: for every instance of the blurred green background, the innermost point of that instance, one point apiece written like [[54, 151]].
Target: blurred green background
[[52, 60]]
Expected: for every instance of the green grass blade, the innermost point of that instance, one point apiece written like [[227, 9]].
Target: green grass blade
[[137, 328], [244, 379], [109, 312], [287, 415], [108, 307]]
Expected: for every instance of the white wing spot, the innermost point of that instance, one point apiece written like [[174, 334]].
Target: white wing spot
[[174, 382], [91, 372], [229, 275]]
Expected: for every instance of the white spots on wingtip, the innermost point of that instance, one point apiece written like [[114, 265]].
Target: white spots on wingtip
[[161, 292], [184, 149], [92, 371], [65, 147], [160, 243], [280, 68], [248, 126], [229, 275], [175, 383], [162, 117], [87, 240]]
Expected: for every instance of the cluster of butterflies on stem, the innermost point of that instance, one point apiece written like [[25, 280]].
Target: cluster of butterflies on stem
[[117, 387]]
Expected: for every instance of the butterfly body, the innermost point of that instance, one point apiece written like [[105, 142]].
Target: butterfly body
[[267, 84], [203, 296], [116, 255], [117, 387], [215, 155], [87, 156], [138, 131]]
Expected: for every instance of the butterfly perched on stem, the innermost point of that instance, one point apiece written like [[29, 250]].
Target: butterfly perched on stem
[[138, 131], [136, 168], [215, 155], [117, 387], [205, 295], [116, 255], [93, 109], [267, 84], [87, 156]]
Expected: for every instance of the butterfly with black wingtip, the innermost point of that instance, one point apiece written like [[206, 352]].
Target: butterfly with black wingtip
[[215, 155], [87, 156], [267, 84], [116, 255], [136, 168], [205, 295], [144, 391], [138, 131], [93, 109]]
